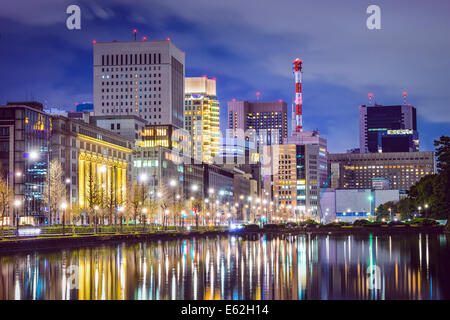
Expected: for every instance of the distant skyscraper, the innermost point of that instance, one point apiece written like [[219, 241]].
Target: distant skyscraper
[[388, 129], [142, 78], [401, 169], [268, 120], [201, 117], [294, 173], [85, 107]]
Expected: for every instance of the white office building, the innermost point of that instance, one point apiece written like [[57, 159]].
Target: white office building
[[140, 78]]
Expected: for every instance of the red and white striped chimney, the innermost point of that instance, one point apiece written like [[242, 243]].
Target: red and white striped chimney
[[298, 96]]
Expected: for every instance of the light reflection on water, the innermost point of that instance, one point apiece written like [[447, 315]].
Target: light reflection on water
[[289, 267]]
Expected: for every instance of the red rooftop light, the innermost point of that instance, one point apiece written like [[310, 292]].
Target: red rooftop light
[[94, 41], [168, 39]]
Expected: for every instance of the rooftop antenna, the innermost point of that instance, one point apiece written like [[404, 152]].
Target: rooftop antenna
[[135, 32], [404, 97], [370, 99]]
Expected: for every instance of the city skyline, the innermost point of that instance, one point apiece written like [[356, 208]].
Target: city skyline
[[246, 57]]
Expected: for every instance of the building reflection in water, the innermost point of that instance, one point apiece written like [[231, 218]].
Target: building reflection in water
[[261, 267]]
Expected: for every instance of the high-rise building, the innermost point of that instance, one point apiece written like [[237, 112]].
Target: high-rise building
[[267, 120], [84, 107], [388, 129], [201, 117], [142, 78], [294, 173], [362, 171]]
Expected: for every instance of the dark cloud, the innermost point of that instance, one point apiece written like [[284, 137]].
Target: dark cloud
[[249, 46]]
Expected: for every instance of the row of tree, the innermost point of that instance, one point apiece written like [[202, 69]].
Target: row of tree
[[104, 204], [430, 196]]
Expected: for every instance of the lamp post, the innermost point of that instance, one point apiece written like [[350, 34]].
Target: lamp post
[[144, 212], [426, 209], [370, 198], [420, 208], [16, 206], [120, 210], [194, 189], [172, 184], [182, 218], [64, 207], [95, 217]]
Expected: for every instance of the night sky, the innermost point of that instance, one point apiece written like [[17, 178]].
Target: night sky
[[249, 46]]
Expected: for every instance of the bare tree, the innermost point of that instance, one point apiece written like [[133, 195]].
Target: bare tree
[[75, 216], [93, 198], [57, 189], [165, 202], [197, 206], [111, 202], [152, 209], [137, 196], [6, 195]]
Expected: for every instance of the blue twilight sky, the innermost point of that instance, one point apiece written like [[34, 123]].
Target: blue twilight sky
[[249, 46]]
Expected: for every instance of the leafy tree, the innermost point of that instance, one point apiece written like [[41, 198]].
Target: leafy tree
[[443, 153], [385, 210], [405, 207]]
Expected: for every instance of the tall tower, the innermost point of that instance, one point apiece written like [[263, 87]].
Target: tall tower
[[202, 117], [140, 78], [298, 96]]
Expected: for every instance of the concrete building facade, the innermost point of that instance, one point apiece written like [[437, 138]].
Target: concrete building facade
[[141, 78], [268, 120], [294, 173], [129, 126], [388, 129], [358, 171]]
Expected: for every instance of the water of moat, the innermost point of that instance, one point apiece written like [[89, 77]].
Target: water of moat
[[234, 268]]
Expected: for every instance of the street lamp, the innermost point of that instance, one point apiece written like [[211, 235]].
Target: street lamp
[[95, 217], [183, 213], [144, 212], [34, 155], [16, 206], [64, 207], [120, 209]]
